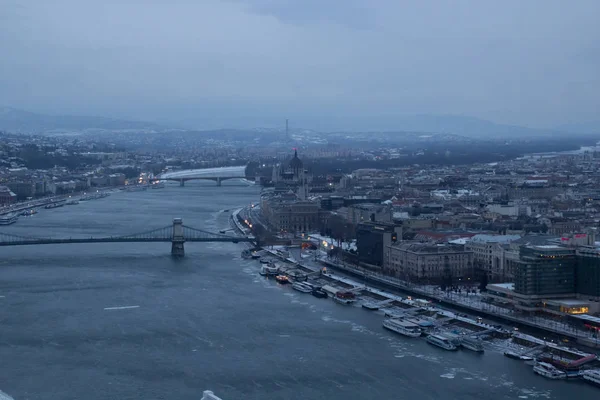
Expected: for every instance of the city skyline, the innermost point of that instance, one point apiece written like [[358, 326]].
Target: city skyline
[[299, 199]]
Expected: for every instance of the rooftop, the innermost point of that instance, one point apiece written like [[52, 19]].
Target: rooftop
[[505, 286], [494, 238], [534, 240], [568, 303], [587, 317], [419, 247]]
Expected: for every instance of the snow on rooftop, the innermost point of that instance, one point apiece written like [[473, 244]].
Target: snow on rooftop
[[569, 302], [507, 286], [482, 238]]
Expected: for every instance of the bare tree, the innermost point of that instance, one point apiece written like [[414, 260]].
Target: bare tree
[[340, 229]]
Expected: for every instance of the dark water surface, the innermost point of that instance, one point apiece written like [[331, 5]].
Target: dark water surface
[[208, 321]]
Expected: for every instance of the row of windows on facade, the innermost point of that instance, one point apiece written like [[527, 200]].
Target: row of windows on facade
[[298, 219], [432, 259], [428, 262]]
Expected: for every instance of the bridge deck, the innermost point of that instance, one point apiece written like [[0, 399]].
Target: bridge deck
[[206, 173], [119, 240], [166, 234]]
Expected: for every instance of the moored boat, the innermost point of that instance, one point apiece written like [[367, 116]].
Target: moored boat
[[101, 195], [549, 371], [472, 343], [8, 219], [246, 254], [517, 356], [330, 290], [402, 327], [269, 270], [441, 342], [370, 305], [394, 313], [282, 279], [54, 205], [592, 376], [132, 188], [301, 287], [319, 293], [376, 305], [27, 213], [343, 297]]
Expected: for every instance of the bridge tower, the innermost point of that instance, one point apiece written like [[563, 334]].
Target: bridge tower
[[178, 239]]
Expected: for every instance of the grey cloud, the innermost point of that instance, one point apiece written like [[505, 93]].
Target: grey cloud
[[532, 62], [351, 13]]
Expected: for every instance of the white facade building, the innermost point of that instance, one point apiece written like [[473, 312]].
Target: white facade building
[[488, 253]]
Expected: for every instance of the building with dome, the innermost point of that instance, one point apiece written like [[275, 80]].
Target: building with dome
[[292, 176], [296, 165], [288, 209]]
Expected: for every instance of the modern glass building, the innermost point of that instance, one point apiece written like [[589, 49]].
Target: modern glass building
[[545, 271], [372, 238], [588, 272], [552, 279]]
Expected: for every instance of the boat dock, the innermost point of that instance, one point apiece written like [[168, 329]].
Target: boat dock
[[495, 314], [463, 330], [376, 305]]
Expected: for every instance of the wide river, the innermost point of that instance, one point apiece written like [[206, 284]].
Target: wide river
[[208, 321]]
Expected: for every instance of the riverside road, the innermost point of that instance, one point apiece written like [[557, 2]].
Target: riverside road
[[127, 321]]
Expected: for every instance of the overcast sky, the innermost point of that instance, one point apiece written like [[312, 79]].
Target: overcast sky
[[529, 62]]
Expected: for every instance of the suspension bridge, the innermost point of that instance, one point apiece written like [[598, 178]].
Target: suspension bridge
[[177, 234]]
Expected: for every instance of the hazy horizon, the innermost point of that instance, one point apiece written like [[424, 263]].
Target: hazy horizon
[[256, 62]]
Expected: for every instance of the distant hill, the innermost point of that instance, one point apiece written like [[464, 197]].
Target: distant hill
[[590, 128], [19, 121], [426, 123], [447, 124], [469, 126]]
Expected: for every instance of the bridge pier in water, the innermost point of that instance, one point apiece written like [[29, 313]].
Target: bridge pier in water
[[218, 181], [181, 182], [177, 241]]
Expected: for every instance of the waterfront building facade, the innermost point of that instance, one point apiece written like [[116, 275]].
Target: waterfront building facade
[[587, 273], [425, 262], [488, 254], [545, 270], [373, 240], [287, 213]]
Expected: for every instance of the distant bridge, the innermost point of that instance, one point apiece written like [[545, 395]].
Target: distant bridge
[[177, 234], [214, 174]]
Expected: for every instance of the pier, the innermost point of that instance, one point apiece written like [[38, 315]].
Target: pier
[[495, 314]]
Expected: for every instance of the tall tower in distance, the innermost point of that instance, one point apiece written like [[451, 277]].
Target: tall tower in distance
[[287, 133]]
